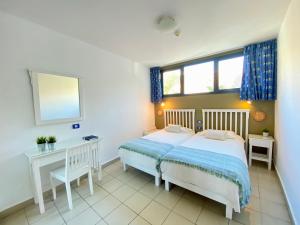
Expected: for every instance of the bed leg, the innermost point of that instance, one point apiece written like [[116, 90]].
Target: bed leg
[[228, 212], [125, 167], [157, 181], [167, 185]]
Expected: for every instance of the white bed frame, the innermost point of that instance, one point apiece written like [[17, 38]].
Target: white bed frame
[[219, 119], [183, 117]]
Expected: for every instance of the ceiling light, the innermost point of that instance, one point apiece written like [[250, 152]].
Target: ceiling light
[[166, 24]]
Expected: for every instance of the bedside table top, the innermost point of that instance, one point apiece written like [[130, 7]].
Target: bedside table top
[[260, 137]]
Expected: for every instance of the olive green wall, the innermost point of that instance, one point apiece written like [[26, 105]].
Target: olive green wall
[[219, 101]]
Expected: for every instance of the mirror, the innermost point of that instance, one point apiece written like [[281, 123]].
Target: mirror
[[56, 98]]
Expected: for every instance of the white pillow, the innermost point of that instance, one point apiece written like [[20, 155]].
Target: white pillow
[[220, 135], [230, 134], [173, 128], [187, 130]]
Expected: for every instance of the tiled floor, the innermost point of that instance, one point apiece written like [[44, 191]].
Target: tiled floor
[[131, 198]]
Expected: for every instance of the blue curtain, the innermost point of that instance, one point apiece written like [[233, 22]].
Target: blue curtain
[[156, 85], [260, 71]]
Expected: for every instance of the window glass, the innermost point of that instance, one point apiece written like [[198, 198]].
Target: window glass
[[199, 78], [230, 73], [171, 82]]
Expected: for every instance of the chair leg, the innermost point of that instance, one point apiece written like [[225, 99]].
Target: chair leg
[[90, 182], [78, 181], [99, 173], [69, 194], [53, 187]]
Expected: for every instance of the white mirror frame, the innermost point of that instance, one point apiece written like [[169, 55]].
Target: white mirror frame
[[36, 100]]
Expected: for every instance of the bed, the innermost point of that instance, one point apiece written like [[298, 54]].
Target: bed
[[153, 146], [207, 182]]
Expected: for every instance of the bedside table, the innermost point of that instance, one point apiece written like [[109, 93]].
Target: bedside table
[[260, 141], [146, 132]]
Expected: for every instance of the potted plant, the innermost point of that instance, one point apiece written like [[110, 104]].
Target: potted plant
[[265, 132], [51, 140], [41, 143]]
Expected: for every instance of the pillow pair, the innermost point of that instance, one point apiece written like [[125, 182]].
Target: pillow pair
[[220, 135]]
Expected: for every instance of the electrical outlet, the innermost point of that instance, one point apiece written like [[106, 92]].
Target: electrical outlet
[[75, 126]]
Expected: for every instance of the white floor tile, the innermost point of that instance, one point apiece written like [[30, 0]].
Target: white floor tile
[[79, 205], [155, 213], [120, 216], [123, 193], [137, 202], [107, 205], [87, 217], [174, 219], [139, 221]]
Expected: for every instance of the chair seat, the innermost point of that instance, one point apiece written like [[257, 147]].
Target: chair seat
[[60, 173]]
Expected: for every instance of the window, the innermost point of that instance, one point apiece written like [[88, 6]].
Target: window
[[230, 73], [171, 82], [199, 78], [215, 74]]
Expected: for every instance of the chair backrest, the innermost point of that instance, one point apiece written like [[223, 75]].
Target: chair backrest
[[95, 154], [77, 158]]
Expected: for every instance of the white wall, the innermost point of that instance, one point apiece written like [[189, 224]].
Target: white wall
[[116, 97], [287, 107]]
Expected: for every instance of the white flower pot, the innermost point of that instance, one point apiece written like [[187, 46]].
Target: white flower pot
[[51, 146], [265, 134], [42, 147]]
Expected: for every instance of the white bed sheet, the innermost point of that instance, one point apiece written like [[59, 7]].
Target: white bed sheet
[[146, 163], [171, 138], [233, 146], [201, 182]]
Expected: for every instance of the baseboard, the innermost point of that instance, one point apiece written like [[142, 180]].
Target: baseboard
[[111, 161], [16, 208], [290, 209], [30, 201]]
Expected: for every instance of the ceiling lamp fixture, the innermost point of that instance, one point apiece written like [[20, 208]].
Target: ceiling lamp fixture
[[167, 24]]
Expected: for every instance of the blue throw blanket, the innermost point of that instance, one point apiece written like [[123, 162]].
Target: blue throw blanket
[[149, 148], [220, 165]]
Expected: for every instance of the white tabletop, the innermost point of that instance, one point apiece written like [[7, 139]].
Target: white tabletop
[[256, 136], [58, 147]]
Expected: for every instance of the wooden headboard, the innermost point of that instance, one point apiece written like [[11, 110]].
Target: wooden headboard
[[183, 117]]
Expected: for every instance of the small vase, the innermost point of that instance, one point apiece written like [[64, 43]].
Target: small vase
[[51, 146], [42, 147], [265, 134]]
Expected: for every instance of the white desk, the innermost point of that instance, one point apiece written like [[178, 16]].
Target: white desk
[[38, 159]]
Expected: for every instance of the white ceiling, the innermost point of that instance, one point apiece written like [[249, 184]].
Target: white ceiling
[[127, 27]]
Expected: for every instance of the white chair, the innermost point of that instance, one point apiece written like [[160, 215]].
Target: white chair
[[77, 164]]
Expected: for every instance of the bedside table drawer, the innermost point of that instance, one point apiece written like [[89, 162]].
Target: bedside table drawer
[[261, 142]]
